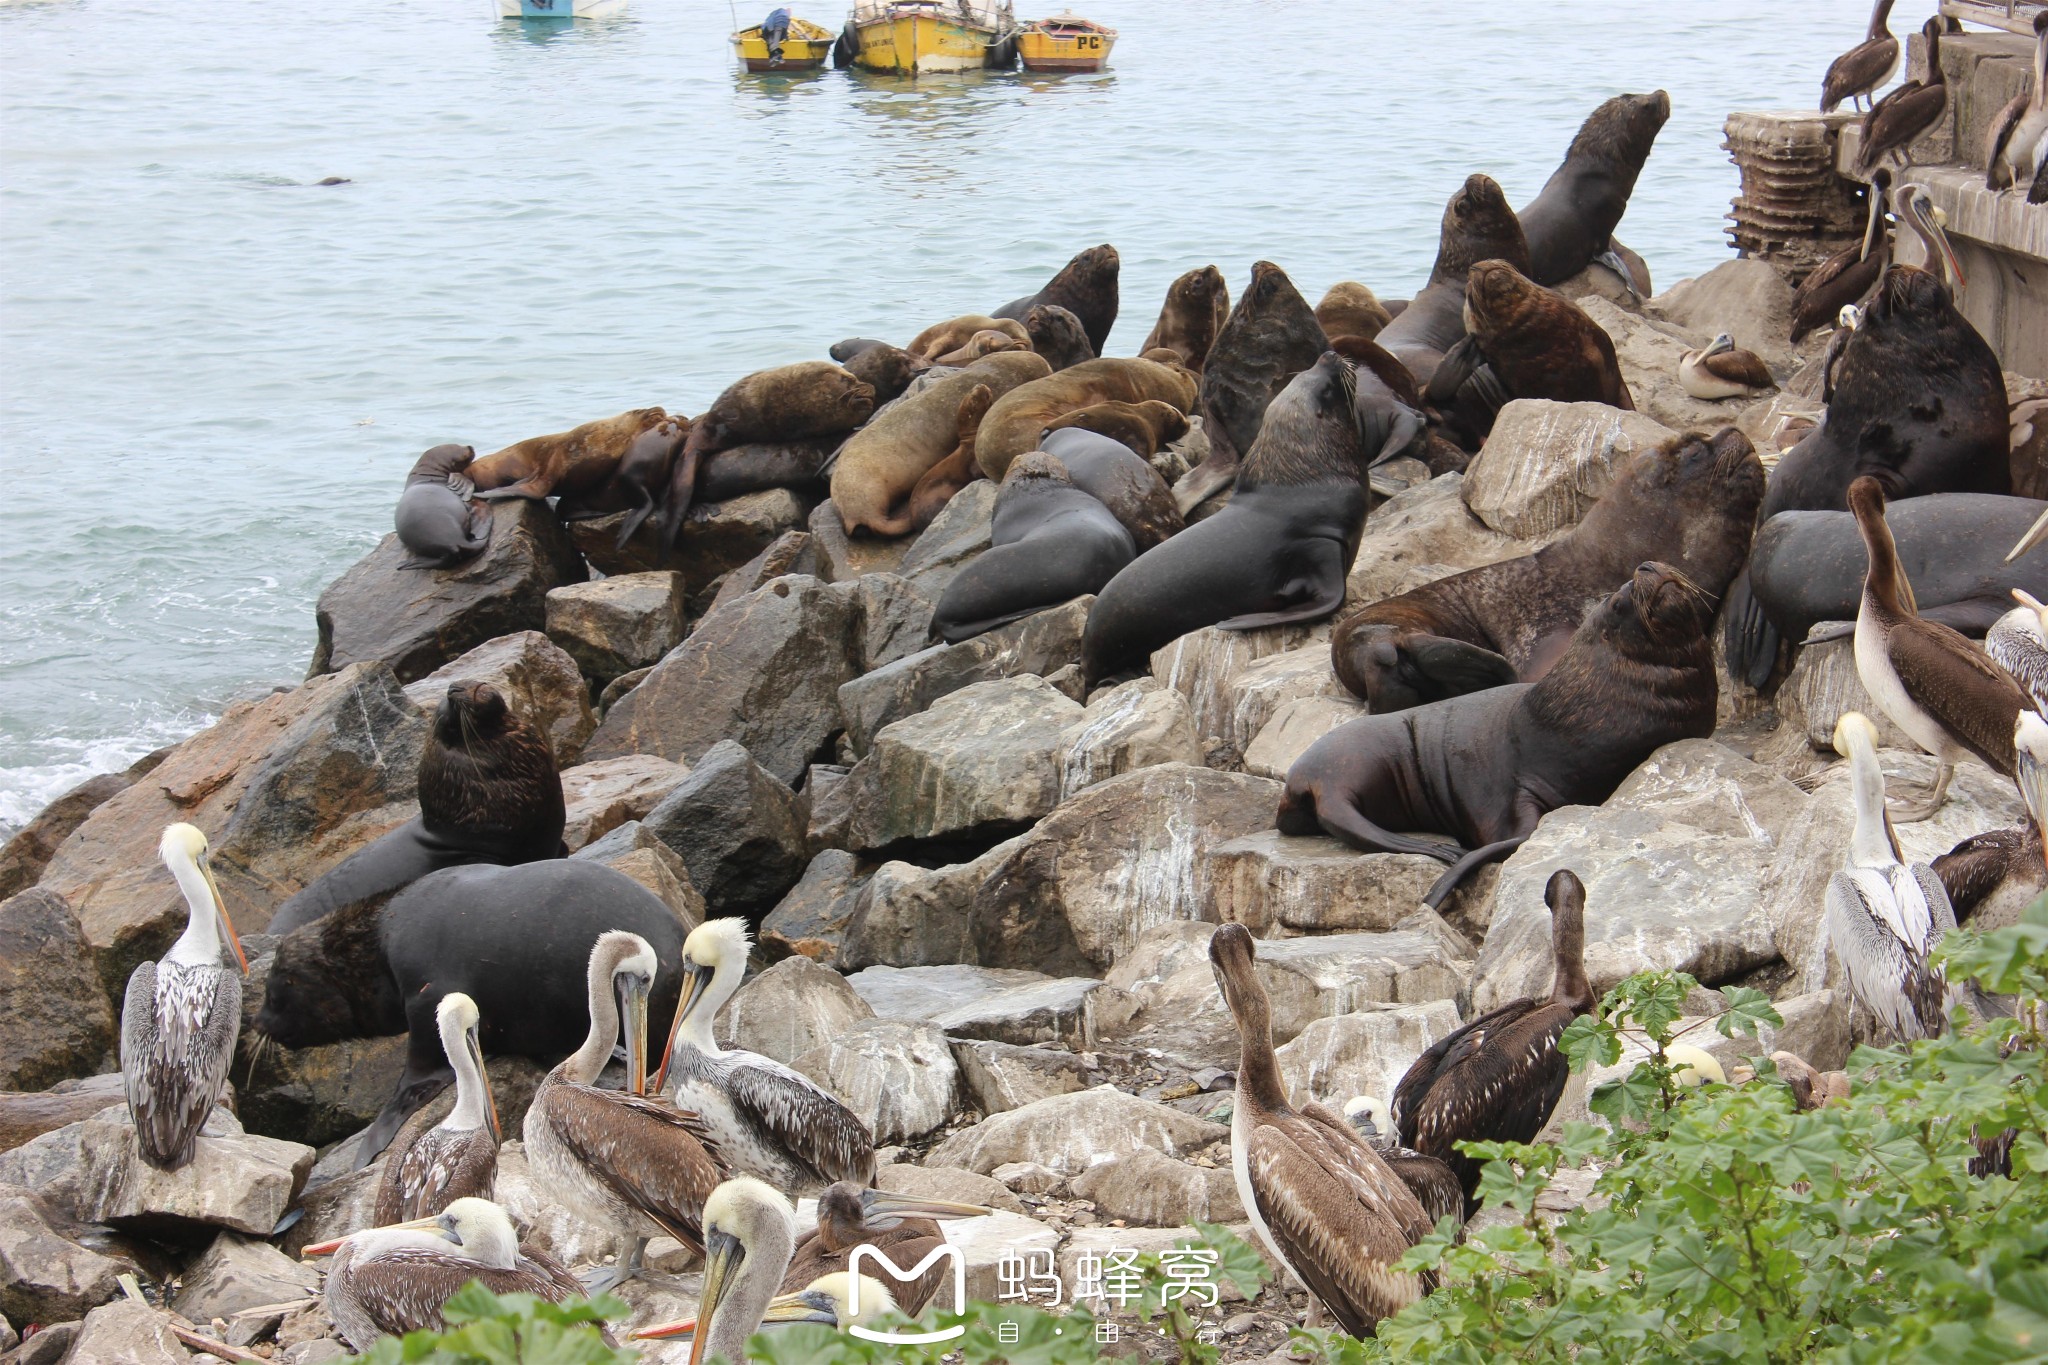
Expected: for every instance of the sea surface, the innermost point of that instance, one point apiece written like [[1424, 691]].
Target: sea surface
[[214, 371]]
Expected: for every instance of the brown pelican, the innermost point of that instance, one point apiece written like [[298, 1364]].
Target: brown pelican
[[1848, 276], [767, 1119], [1435, 1187], [2017, 142], [899, 1226], [1720, 371], [1884, 915], [1896, 122], [1323, 1202], [1497, 1078], [827, 1300], [457, 1157], [1928, 248], [2018, 643], [392, 1280], [620, 1159], [749, 1232], [1951, 700], [1838, 341], [1858, 72], [179, 1021]]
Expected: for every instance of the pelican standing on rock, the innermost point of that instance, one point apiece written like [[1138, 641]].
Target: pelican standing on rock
[[2018, 643], [457, 1157], [768, 1120], [749, 1233], [179, 1020], [2017, 143], [1847, 277], [1857, 73], [1884, 916], [1719, 371], [1323, 1202], [1896, 122], [1933, 683], [1497, 1078], [899, 1226], [620, 1159]]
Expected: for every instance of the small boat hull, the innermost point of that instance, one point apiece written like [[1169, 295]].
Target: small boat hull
[[560, 9], [1064, 52], [917, 40], [807, 48]]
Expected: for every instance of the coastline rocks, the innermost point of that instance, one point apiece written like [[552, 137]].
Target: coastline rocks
[[23, 857], [716, 537], [736, 828], [1054, 1010], [633, 852], [812, 919], [909, 916], [24, 1116], [843, 558], [238, 1272], [47, 1273], [1747, 298], [1648, 352], [789, 553], [794, 1007], [895, 619], [126, 1333], [1365, 1052], [897, 1077], [946, 1182], [611, 626], [1002, 1076], [1138, 724], [60, 1023], [960, 531], [924, 993], [1821, 686], [540, 683], [1422, 534], [1296, 725], [1070, 1133], [1281, 887], [416, 620], [604, 795], [1256, 692], [1545, 464], [1153, 1190], [1204, 664]]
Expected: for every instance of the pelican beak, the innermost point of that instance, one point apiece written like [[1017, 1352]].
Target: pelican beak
[[1937, 224], [723, 1255], [633, 1018], [221, 908], [885, 1210], [1721, 343], [476, 1051], [2030, 772], [2034, 536], [682, 1327], [696, 981], [327, 1248], [806, 1305], [432, 1223]]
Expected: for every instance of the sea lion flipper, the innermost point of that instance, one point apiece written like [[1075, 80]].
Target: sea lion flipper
[[1314, 591], [1407, 429], [1613, 261], [634, 519], [1458, 871], [1459, 667], [1344, 821], [525, 488], [1457, 366], [462, 486], [1823, 631]]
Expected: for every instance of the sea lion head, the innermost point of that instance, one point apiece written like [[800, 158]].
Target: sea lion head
[[1620, 133], [1657, 614], [1198, 289], [487, 774], [443, 460], [1496, 295], [328, 982], [1269, 283], [852, 397], [1908, 295], [886, 369], [1696, 496], [1037, 466], [1096, 260], [469, 712], [1478, 225], [1311, 432], [1057, 334]]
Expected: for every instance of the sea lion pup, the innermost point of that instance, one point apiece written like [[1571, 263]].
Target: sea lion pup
[[1477, 226], [742, 469], [435, 519], [1690, 503], [985, 342], [958, 469], [1050, 543], [943, 337], [886, 369], [879, 466], [1570, 224], [1919, 405], [1271, 336], [1121, 480], [636, 483], [1197, 304], [1058, 335], [1144, 427], [1350, 309], [787, 403], [489, 793], [1279, 551], [567, 463], [1014, 423], [1484, 768], [1086, 287], [1441, 455]]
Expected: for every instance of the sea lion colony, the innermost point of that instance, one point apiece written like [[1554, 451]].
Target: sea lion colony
[[1077, 657]]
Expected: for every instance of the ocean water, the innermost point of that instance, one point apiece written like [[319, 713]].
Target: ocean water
[[214, 372]]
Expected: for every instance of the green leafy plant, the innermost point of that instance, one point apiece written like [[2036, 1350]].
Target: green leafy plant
[[510, 1329]]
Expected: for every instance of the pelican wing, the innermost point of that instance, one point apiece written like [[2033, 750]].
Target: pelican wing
[[1336, 1130], [178, 1027], [1997, 175], [1978, 866], [2019, 651], [1859, 71], [654, 1156], [1739, 367], [441, 1166], [1895, 121], [1973, 698], [800, 1118], [403, 1290], [1868, 916]]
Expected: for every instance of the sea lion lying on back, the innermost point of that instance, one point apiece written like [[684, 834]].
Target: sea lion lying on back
[[435, 519], [943, 338], [1197, 305]]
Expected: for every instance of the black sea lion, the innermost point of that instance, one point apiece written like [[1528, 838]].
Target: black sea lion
[[1051, 542], [1570, 224], [1058, 335], [759, 465], [637, 482], [566, 463], [1144, 427], [489, 793], [1014, 423], [1279, 551], [843, 351], [1121, 480], [1691, 503], [1197, 305], [435, 518], [1485, 767], [1086, 287], [1477, 226], [886, 369], [514, 939]]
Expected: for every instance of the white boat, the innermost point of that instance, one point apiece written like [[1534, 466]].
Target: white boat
[[560, 9]]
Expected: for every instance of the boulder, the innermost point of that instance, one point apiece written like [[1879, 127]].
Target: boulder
[[1420, 535], [1051, 1011], [1070, 1133], [1001, 1076], [736, 828], [611, 626], [126, 1332], [794, 1007], [1027, 1177], [826, 803], [1294, 726], [1203, 664], [319, 1094], [1649, 352], [1823, 685], [923, 993], [789, 553], [337, 1207], [1151, 1189], [895, 619], [899, 1078], [1279, 887], [540, 683], [23, 857], [1133, 725], [909, 916], [843, 558], [655, 866], [1365, 1052], [415, 620], [59, 1021], [26, 1116], [947, 1182], [1546, 463], [993, 1248], [603, 795], [812, 919], [716, 537], [619, 687], [239, 1272], [762, 671], [956, 535], [47, 1273], [1256, 692], [1747, 298]]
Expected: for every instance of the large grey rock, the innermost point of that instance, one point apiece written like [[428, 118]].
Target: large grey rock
[[603, 795], [899, 1078], [24, 856], [1133, 725], [47, 1274], [1258, 691], [1648, 351], [843, 558], [895, 619], [1749, 299], [418, 619], [794, 1007], [736, 828], [634, 851], [615, 625], [1365, 1052], [1000, 1076], [540, 682], [1278, 886], [1150, 1189], [792, 552], [1294, 726], [59, 1022], [991, 1248], [239, 1272], [127, 1333], [716, 537], [1050, 1011], [1070, 1133], [909, 916], [923, 993], [1202, 666], [1422, 534], [957, 534], [25, 1116], [813, 918], [1545, 464]]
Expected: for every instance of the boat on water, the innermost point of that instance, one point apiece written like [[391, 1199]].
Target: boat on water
[[559, 9], [1065, 42], [782, 43], [917, 37]]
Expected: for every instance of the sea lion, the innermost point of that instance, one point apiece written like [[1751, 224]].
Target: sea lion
[[1144, 427], [958, 469], [1271, 336], [1570, 223], [570, 462], [886, 369], [1121, 480], [1058, 335], [1477, 226], [986, 342], [1086, 287], [1485, 767], [514, 939], [489, 792], [1690, 503], [1279, 551], [843, 351], [1349, 309], [880, 465], [787, 403], [758, 465], [1014, 423], [435, 518], [1439, 454], [1197, 305], [943, 337], [636, 483], [1050, 543]]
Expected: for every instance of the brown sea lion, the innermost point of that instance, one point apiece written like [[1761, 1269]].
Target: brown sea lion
[[886, 369], [1086, 287], [988, 341], [1014, 423], [1477, 226], [1058, 335], [1349, 309], [567, 463], [638, 482], [435, 518], [943, 337], [1690, 503], [787, 403], [880, 465], [1570, 224], [1485, 767], [1144, 427], [1197, 305], [1120, 479], [956, 471]]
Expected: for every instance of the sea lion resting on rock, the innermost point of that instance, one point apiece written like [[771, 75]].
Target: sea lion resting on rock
[[941, 338], [1014, 423], [1118, 478], [1271, 336], [634, 485], [566, 463], [958, 469], [489, 793], [435, 518], [758, 465], [1570, 223], [1349, 309], [1691, 503], [883, 368], [514, 939], [1477, 226], [1050, 543], [1086, 286], [1279, 551], [1197, 305], [1144, 427], [1058, 335], [1484, 768], [989, 342]]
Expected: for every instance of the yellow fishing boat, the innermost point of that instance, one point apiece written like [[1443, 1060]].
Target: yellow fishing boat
[[1065, 42], [804, 46], [916, 37]]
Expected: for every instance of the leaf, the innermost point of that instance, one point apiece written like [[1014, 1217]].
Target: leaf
[[1237, 1259], [1588, 1042], [1747, 1011]]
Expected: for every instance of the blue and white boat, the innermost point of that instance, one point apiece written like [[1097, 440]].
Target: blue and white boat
[[560, 9]]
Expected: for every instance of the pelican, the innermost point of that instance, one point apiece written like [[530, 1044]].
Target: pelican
[[898, 1225], [1885, 916], [2017, 143], [1434, 1185], [392, 1280], [1693, 1066], [1848, 276], [749, 1232], [1951, 700], [179, 1021], [457, 1157], [1497, 1078], [1720, 371], [1323, 1202], [1896, 122], [1858, 72], [1846, 323], [1928, 247], [827, 1300], [620, 1159], [2018, 643], [767, 1120]]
